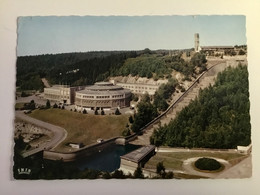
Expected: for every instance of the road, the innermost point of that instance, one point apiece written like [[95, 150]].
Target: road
[[59, 134]]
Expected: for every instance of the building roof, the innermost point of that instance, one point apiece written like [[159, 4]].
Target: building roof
[[217, 47], [139, 154], [103, 84], [105, 88], [105, 92]]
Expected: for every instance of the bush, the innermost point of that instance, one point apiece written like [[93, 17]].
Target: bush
[[126, 132], [102, 112], [117, 112], [138, 173], [160, 169], [208, 164], [48, 104], [55, 106], [84, 111], [131, 120], [118, 174], [169, 175], [96, 112], [23, 94]]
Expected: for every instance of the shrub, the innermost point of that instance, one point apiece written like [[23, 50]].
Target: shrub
[[117, 112], [126, 132], [48, 104], [208, 164], [102, 112], [138, 173], [84, 111], [55, 106], [131, 120]]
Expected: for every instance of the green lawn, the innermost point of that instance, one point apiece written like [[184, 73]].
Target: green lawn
[[83, 128], [18, 106], [174, 160]]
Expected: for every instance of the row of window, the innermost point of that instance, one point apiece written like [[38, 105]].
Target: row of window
[[137, 87], [86, 96], [103, 96], [100, 97], [116, 96]]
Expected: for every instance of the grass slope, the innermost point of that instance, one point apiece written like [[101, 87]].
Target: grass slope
[[83, 128], [174, 160]]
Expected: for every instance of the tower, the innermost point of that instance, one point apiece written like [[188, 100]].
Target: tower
[[197, 42]]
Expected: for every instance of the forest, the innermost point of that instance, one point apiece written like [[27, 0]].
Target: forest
[[87, 68], [217, 118], [69, 68]]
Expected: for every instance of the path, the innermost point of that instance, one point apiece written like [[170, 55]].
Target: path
[[241, 170], [45, 82], [59, 134]]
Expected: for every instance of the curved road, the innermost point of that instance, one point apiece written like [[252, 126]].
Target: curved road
[[59, 134]]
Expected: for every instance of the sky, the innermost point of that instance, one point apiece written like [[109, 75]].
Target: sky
[[52, 34]]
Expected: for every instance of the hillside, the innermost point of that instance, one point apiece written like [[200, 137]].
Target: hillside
[[218, 118], [87, 68]]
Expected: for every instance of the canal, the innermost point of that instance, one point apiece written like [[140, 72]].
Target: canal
[[107, 159]]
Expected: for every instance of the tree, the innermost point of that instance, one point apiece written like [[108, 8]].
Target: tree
[[48, 104], [117, 112], [160, 169], [84, 111], [126, 132], [146, 97], [138, 173], [131, 120], [102, 112], [118, 174], [55, 106], [96, 112], [241, 52], [146, 112], [23, 94], [169, 175], [29, 106]]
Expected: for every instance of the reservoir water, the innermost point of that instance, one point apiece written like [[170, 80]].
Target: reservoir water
[[106, 160]]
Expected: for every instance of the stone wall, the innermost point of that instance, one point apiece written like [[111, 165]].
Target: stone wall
[[83, 152]]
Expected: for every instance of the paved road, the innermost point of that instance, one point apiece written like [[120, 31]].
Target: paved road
[[241, 170], [59, 134]]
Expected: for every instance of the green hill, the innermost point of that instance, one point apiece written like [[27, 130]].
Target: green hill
[[218, 118]]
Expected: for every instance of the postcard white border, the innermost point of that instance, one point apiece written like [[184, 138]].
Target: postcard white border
[[11, 9]]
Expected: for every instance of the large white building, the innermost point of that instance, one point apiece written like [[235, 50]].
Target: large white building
[[103, 95], [60, 94], [139, 85]]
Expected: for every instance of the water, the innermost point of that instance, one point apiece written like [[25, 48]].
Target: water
[[106, 160]]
